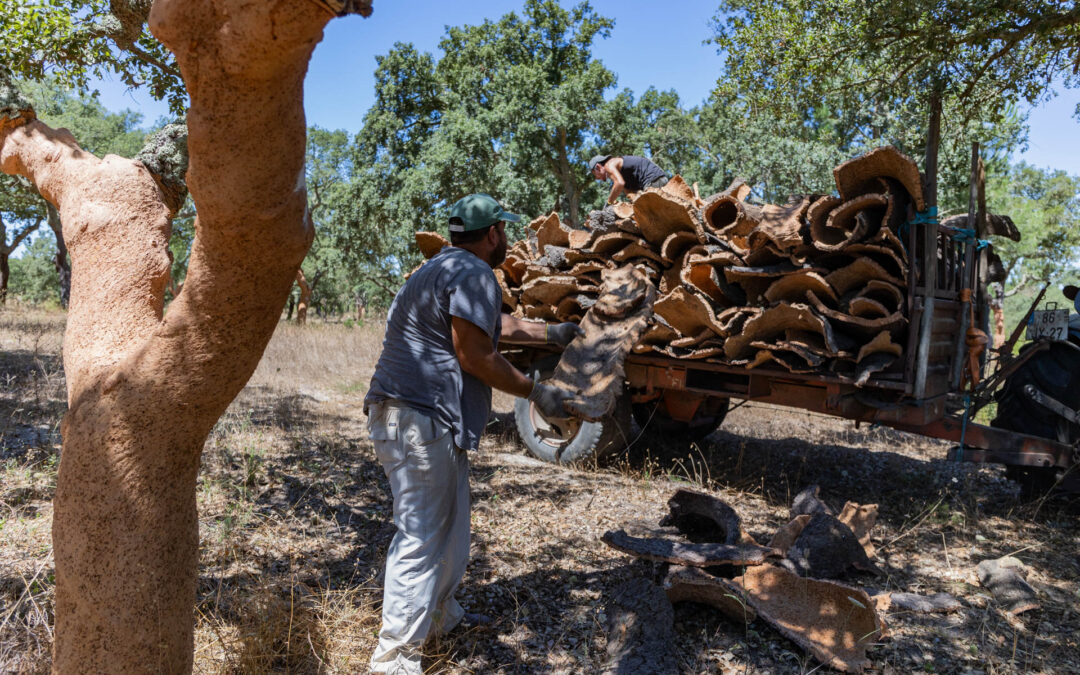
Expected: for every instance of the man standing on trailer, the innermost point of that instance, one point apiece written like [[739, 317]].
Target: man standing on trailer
[[628, 173], [428, 404]]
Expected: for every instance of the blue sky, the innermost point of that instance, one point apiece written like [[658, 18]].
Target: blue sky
[[652, 44]]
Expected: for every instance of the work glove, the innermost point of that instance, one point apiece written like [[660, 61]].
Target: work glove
[[562, 334], [550, 399]]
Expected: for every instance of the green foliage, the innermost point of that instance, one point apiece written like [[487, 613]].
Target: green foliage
[[76, 40], [1045, 205], [858, 74], [96, 129], [33, 275]]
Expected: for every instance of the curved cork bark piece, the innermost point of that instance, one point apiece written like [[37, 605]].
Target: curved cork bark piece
[[509, 299], [886, 294], [796, 357], [786, 535], [775, 321], [687, 312], [705, 277], [834, 622], [855, 176], [693, 584], [867, 308], [678, 188], [780, 226], [659, 214], [857, 325], [550, 289], [687, 554], [892, 262], [703, 517], [430, 243], [826, 548], [858, 274], [861, 519], [849, 222], [637, 249], [552, 232], [609, 244], [676, 245], [592, 365], [793, 288], [719, 210]]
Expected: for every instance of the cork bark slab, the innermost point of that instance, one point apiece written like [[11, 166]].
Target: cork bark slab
[[827, 549], [1010, 590], [780, 226], [855, 175], [659, 214], [775, 321], [861, 519], [786, 535], [430, 243], [834, 622], [688, 554], [692, 584], [702, 517], [849, 222], [592, 365]]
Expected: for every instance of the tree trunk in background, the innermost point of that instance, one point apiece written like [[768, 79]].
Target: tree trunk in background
[[145, 389], [569, 185], [60, 260], [5, 274], [305, 298]]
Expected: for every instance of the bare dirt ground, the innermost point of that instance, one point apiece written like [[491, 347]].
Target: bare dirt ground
[[295, 520]]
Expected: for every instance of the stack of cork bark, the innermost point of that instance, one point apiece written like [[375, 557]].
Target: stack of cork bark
[[818, 284]]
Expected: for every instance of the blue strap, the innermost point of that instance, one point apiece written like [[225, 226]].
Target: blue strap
[[921, 218], [963, 234]]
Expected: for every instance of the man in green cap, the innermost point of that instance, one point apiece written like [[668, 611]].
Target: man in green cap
[[628, 173], [428, 404]]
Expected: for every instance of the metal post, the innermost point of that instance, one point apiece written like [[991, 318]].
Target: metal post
[[967, 274]]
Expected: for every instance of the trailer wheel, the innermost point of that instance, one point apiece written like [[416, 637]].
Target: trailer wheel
[[653, 418], [579, 441], [1055, 372]]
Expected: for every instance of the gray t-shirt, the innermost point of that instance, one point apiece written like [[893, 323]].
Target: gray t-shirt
[[418, 365]]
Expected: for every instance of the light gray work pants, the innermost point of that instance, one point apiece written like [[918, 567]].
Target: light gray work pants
[[429, 478]]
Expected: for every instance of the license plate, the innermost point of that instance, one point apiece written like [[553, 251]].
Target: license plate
[[1050, 324]]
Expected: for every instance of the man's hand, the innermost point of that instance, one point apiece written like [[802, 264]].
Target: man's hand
[[550, 400], [562, 334]]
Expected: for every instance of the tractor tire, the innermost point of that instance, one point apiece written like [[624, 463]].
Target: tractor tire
[[580, 441], [654, 420], [1055, 372]]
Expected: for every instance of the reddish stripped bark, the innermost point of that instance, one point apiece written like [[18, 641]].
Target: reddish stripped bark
[[145, 388]]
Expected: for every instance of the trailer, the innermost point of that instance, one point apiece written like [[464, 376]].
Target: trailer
[[936, 390]]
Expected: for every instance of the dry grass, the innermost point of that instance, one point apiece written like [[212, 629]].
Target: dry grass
[[295, 520]]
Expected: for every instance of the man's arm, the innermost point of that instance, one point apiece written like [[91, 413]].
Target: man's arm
[[613, 167], [478, 357]]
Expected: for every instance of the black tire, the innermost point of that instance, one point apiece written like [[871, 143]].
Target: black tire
[[580, 441], [654, 420], [1055, 372]]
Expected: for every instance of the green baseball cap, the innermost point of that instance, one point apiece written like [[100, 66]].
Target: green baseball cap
[[476, 212]]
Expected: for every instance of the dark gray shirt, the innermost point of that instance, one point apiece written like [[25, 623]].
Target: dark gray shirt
[[418, 365], [639, 173]]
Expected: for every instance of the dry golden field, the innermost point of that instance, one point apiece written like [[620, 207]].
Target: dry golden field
[[295, 520]]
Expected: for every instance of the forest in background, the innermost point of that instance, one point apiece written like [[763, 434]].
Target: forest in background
[[516, 105]]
